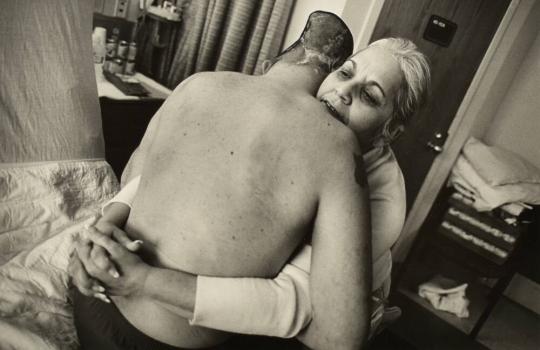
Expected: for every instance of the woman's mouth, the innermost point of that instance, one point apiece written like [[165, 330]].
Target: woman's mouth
[[334, 112]]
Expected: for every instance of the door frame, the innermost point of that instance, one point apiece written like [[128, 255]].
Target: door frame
[[473, 116], [361, 17]]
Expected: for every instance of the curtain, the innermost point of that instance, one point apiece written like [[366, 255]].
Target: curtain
[[229, 35], [49, 108]]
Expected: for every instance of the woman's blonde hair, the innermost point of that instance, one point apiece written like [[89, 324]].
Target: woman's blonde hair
[[414, 90]]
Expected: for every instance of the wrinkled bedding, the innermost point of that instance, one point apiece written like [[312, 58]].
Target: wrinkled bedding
[[42, 206]]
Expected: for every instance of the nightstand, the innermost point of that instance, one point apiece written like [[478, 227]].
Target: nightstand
[[477, 248], [125, 118]]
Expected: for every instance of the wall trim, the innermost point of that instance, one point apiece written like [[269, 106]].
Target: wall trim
[[361, 17]]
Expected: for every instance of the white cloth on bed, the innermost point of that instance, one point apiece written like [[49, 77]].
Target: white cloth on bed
[[42, 205]]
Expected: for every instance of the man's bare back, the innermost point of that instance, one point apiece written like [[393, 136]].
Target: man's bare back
[[230, 187]]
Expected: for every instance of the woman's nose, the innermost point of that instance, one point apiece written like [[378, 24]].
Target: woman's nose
[[344, 93]]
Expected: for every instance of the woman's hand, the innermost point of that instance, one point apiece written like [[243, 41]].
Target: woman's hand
[[100, 260], [131, 270], [99, 254], [81, 279]]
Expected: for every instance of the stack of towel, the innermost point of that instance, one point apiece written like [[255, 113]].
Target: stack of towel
[[488, 178], [490, 183]]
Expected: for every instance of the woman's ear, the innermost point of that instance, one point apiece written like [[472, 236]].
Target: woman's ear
[[266, 66], [391, 130]]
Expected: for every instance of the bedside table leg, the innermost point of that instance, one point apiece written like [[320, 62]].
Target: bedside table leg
[[494, 297]]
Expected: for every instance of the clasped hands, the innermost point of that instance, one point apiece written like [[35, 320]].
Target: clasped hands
[[103, 263]]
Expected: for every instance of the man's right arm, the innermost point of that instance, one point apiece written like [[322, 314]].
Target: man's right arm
[[135, 164]]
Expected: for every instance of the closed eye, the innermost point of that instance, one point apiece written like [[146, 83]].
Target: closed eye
[[344, 74], [369, 98]]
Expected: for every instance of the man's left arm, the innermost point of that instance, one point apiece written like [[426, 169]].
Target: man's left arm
[[341, 260]]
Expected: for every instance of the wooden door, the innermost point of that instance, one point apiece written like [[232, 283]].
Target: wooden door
[[452, 70]]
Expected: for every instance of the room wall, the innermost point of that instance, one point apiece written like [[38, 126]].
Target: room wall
[[516, 126], [301, 11], [507, 112], [360, 17]]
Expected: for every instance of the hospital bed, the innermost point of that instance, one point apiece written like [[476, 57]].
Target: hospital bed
[[53, 175]]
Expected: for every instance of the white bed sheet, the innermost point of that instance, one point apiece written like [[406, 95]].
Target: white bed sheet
[[42, 206]]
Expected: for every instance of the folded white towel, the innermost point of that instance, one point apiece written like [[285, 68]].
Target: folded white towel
[[498, 166], [466, 179]]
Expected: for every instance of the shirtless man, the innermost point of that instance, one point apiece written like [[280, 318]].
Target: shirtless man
[[258, 164]]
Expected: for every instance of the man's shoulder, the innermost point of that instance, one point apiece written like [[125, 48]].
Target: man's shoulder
[[342, 141], [210, 80], [342, 154], [217, 76]]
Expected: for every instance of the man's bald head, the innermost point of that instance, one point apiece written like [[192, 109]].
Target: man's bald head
[[325, 43]]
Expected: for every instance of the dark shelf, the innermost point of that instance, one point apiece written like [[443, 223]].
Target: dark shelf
[[453, 243], [476, 293], [424, 330]]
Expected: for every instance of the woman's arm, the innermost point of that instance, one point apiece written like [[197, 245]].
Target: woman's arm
[[116, 211], [278, 307], [340, 281], [114, 215]]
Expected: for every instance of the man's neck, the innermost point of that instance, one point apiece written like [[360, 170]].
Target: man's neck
[[297, 77]]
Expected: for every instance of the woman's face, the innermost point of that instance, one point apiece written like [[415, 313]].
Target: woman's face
[[362, 91]]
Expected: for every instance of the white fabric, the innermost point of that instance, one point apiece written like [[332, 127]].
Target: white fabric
[[49, 106], [41, 207], [446, 295], [498, 166], [487, 197], [126, 195], [388, 208], [279, 307]]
